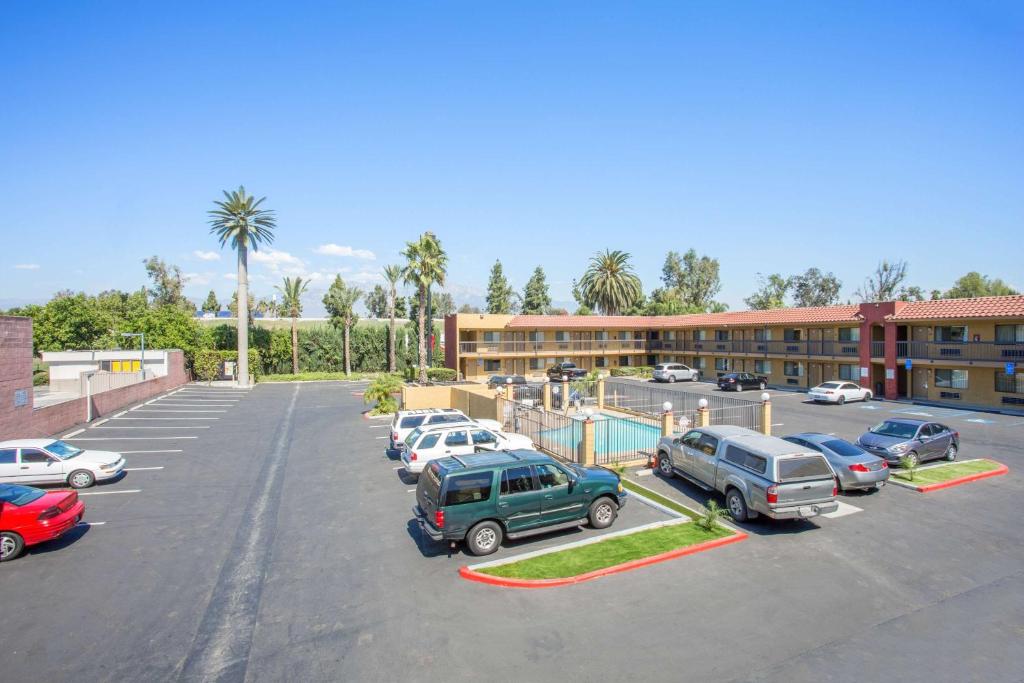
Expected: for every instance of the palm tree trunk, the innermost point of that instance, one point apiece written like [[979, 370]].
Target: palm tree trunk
[[391, 336], [243, 317], [295, 345], [348, 362], [423, 338]]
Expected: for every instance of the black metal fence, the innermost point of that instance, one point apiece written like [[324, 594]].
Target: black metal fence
[[643, 398], [619, 439], [557, 434]]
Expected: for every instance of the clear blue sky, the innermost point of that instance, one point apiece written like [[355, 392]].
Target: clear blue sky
[[773, 136]]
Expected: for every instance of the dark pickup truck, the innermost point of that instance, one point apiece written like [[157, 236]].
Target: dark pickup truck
[[559, 370]]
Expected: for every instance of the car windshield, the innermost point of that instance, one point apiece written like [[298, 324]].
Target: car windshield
[[19, 495], [843, 448], [901, 430], [62, 450], [414, 435], [659, 367], [828, 385]]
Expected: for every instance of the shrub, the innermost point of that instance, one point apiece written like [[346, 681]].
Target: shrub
[[207, 365], [633, 371], [41, 378], [442, 374], [909, 465], [709, 515], [382, 391]]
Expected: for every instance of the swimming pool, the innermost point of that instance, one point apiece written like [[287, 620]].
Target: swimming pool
[[615, 438]]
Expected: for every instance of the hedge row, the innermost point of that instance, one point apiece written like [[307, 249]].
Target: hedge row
[[633, 371]]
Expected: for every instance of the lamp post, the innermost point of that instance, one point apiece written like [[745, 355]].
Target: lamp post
[[142, 340]]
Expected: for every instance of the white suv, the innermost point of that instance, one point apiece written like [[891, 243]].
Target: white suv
[[429, 443], [407, 420]]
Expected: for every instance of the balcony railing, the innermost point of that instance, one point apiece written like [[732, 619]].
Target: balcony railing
[[877, 349], [961, 351], [611, 346], [568, 346]]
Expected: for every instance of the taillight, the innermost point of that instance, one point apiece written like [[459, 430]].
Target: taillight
[[394, 436], [49, 513], [857, 467], [413, 456], [835, 488], [439, 519], [885, 465], [772, 493], [956, 435]]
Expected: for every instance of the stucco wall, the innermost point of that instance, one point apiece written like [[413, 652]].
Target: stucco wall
[[15, 375]]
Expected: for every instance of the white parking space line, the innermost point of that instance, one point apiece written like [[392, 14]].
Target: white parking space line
[[90, 524], [77, 431], [844, 509], [778, 424], [108, 493], [161, 410], [380, 437], [379, 426], [151, 427], [196, 405], [400, 467], [411, 491], [119, 415], [165, 418], [170, 450], [140, 469], [131, 438], [99, 422]]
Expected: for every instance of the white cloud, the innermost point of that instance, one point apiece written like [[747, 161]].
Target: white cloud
[[198, 278], [365, 277], [230, 276], [339, 250], [276, 259], [27, 266], [206, 255]]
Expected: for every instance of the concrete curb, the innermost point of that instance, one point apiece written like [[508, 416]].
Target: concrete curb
[[471, 575], [928, 488]]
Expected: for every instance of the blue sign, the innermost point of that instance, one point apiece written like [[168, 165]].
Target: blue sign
[[1011, 368], [910, 364]]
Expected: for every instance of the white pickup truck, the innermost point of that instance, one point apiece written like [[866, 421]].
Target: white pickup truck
[[757, 474]]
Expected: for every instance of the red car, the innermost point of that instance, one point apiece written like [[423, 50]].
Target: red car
[[29, 515]]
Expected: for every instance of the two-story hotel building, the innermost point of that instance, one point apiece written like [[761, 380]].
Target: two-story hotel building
[[962, 352]]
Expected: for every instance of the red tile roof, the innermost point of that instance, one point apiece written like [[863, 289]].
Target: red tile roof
[[778, 316], [981, 307]]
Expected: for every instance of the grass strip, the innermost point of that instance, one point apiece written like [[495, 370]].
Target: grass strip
[[954, 470], [588, 558], [315, 376], [658, 498]]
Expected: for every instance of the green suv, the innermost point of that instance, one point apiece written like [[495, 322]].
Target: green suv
[[485, 497]]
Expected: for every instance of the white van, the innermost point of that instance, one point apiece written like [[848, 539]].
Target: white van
[[429, 443]]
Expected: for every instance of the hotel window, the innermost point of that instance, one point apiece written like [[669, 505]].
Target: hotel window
[[849, 372], [763, 367], [1009, 334], [849, 334], [950, 333], [622, 335], [950, 379], [791, 334], [792, 369], [721, 335], [492, 366], [536, 364], [1010, 384], [670, 335], [561, 336], [699, 335], [624, 361], [492, 337], [762, 334], [722, 364], [536, 336], [599, 362], [700, 363], [601, 335]]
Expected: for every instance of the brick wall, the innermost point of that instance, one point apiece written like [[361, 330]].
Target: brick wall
[[15, 374]]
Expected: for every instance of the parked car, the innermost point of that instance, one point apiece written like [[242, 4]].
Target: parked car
[[838, 392], [484, 498], [855, 468], [675, 372], [559, 370], [49, 461], [503, 380], [758, 474], [407, 420], [29, 516], [918, 440], [738, 381], [430, 443]]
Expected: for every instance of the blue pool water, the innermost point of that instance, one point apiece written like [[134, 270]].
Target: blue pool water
[[614, 435]]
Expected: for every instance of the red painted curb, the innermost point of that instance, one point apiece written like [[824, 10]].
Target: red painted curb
[[469, 574], [928, 488]]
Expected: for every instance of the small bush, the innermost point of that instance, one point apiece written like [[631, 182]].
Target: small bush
[[909, 466], [382, 391], [442, 374], [41, 378], [709, 516], [633, 371], [207, 365]]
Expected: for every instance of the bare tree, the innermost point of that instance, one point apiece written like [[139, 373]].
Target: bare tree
[[885, 283]]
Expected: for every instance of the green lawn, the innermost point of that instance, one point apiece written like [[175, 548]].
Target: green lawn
[[954, 470], [657, 498], [607, 553]]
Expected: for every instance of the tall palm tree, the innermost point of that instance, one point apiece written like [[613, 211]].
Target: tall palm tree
[[291, 305], [609, 283], [426, 264], [340, 302], [392, 274], [240, 219]]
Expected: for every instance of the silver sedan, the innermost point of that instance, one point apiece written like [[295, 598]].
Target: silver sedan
[[855, 468]]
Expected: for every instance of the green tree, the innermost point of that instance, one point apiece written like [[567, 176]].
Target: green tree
[[466, 308], [240, 220], [427, 264], [376, 302], [499, 291], [70, 322], [392, 275], [340, 302], [171, 327], [609, 283], [814, 288], [700, 281], [772, 292], [443, 304], [291, 304], [536, 298], [168, 283], [974, 284], [211, 305], [233, 306]]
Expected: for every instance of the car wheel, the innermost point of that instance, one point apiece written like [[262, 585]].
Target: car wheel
[[484, 538], [81, 479], [841, 400], [736, 505], [665, 466], [11, 545], [951, 452], [868, 396], [671, 379], [913, 458], [762, 386], [602, 513]]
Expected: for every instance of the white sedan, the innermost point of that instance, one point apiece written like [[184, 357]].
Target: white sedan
[[839, 392], [48, 461]]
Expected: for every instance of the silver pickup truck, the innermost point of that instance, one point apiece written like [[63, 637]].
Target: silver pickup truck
[[758, 474]]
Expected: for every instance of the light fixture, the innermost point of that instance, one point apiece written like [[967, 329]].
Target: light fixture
[[589, 412], [765, 397], [702, 404], [667, 406]]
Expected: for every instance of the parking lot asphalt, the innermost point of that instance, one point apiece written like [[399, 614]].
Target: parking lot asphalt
[[277, 544]]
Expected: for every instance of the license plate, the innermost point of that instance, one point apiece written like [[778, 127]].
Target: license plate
[[808, 510]]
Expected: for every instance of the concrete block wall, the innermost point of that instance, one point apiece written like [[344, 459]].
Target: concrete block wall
[[15, 374]]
